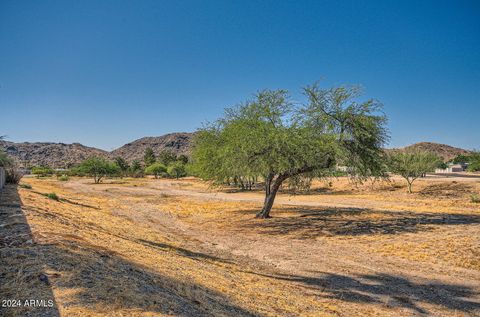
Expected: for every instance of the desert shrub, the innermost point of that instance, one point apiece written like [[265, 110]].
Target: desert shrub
[[63, 178], [177, 170], [52, 196], [156, 169], [26, 186], [475, 198], [13, 175]]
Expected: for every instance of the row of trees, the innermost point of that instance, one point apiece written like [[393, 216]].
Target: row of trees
[[99, 167], [167, 164]]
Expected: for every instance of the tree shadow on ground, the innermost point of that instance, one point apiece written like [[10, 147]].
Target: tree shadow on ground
[[22, 271], [390, 290], [310, 222], [110, 283]]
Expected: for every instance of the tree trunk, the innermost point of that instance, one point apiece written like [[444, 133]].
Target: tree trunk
[[271, 190], [409, 187]]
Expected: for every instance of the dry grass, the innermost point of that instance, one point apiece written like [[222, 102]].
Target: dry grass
[[144, 247]]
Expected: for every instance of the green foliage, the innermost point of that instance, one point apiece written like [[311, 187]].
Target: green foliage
[[167, 157], [136, 169], [272, 138], [412, 165], [442, 165], [42, 171], [26, 186], [149, 157], [183, 158], [177, 169], [461, 158], [122, 165], [52, 196], [474, 162], [472, 159], [98, 167], [63, 178], [156, 169], [4, 159]]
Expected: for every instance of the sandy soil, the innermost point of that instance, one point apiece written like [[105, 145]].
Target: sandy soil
[[179, 247]]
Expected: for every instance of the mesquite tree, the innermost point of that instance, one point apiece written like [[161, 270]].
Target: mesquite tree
[[274, 139], [412, 165], [98, 168]]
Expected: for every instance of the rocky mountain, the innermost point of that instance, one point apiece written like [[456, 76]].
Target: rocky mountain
[[61, 155], [56, 155], [446, 152], [178, 143]]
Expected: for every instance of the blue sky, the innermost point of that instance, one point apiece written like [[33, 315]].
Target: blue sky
[[104, 73]]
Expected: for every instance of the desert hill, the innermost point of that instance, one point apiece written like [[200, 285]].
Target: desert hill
[[61, 155], [56, 155], [178, 143], [446, 152]]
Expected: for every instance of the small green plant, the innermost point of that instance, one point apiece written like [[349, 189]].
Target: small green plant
[[53, 196], [26, 186], [475, 198], [63, 178]]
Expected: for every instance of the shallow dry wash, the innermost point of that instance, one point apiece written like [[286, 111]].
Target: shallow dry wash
[[161, 247]]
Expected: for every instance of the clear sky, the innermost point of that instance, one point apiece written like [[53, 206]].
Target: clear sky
[[104, 73]]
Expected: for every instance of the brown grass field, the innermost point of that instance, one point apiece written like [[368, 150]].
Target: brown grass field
[[145, 247]]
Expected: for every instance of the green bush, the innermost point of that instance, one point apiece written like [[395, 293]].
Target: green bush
[[52, 196], [26, 186], [156, 169], [63, 178], [177, 169]]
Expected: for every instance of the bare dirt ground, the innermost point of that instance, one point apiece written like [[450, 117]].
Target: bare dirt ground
[[144, 247]]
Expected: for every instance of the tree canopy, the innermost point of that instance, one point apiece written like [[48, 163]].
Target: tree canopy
[[276, 139], [156, 169], [98, 167], [177, 169], [149, 157]]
